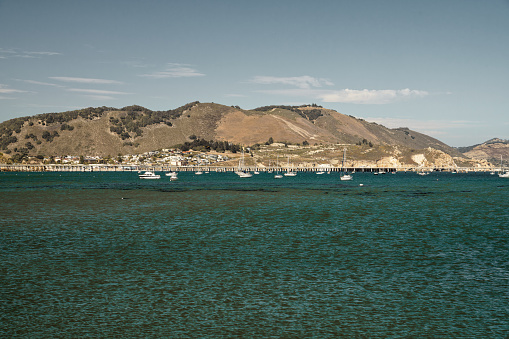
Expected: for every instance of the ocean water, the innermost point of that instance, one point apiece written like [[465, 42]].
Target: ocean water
[[216, 256]]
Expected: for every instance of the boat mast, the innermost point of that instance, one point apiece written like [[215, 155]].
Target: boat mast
[[343, 162]]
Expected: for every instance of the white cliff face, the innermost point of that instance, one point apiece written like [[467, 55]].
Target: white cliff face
[[439, 158], [419, 159], [433, 158], [388, 162]]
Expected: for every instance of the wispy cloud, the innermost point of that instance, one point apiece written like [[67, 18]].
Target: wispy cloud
[[34, 82], [86, 80], [174, 70], [136, 63], [375, 97], [96, 91], [303, 82], [18, 53], [367, 96], [232, 95], [4, 89], [44, 53], [100, 97], [311, 87]]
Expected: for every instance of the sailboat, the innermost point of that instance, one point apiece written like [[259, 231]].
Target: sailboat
[[503, 174], [277, 175], [241, 172], [344, 176], [288, 172]]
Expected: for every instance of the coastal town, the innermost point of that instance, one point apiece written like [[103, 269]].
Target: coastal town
[[256, 158]]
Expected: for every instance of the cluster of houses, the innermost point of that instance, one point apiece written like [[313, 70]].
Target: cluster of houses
[[172, 157]]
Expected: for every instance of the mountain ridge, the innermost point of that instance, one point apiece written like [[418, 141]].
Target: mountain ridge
[[136, 129]]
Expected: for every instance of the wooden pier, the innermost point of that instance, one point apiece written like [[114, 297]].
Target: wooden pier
[[169, 168]]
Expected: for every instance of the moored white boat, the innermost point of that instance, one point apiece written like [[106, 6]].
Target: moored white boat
[[344, 176], [502, 174], [241, 172], [172, 175], [277, 175], [149, 175], [290, 173]]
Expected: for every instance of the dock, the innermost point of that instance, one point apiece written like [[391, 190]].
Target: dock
[[169, 168]]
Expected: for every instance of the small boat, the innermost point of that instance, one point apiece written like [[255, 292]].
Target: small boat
[[344, 176], [502, 174], [198, 173], [290, 173], [277, 175], [149, 175], [172, 175], [320, 172], [243, 174], [423, 173]]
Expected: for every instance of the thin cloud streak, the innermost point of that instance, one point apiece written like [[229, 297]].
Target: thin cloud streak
[[86, 80], [235, 95], [349, 96], [174, 70], [308, 86], [303, 82], [366, 96], [33, 82], [17, 53], [5, 90], [100, 97], [96, 91]]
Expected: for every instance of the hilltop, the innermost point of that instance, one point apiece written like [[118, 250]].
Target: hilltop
[[490, 150], [134, 129]]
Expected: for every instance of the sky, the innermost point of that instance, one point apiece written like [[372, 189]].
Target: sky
[[437, 67]]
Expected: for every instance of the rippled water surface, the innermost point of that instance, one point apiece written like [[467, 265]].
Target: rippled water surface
[[109, 255]]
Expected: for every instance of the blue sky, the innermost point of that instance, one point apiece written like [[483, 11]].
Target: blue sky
[[438, 67]]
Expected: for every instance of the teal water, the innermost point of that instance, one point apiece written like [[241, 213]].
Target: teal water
[[109, 255]]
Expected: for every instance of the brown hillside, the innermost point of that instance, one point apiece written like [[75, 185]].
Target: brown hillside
[[135, 129]]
